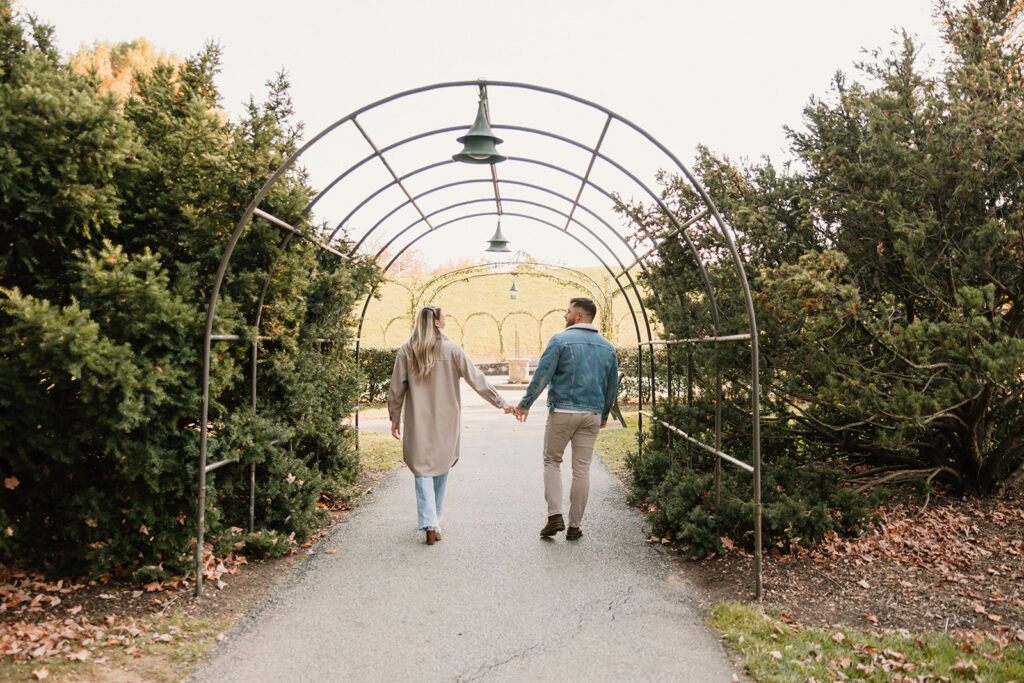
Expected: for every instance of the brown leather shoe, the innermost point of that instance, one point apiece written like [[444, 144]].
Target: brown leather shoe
[[431, 536], [437, 534], [573, 533], [554, 525]]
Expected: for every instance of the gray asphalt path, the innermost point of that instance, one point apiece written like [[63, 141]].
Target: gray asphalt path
[[491, 601]]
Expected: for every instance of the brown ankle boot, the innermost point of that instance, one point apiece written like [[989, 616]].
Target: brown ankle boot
[[554, 525], [431, 536]]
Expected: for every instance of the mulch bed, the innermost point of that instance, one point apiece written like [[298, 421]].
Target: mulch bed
[[957, 566]]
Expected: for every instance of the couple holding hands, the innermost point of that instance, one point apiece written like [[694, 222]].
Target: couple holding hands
[[580, 369]]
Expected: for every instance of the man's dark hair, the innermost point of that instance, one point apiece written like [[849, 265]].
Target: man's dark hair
[[586, 305]]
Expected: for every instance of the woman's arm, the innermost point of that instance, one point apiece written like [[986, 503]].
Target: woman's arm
[[399, 385], [478, 381]]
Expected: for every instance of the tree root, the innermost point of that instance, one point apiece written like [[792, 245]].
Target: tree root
[[899, 476]]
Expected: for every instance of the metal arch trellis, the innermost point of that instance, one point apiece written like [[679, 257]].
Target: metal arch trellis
[[517, 269], [710, 214], [527, 268]]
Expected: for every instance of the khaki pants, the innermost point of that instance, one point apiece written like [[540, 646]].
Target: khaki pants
[[561, 428]]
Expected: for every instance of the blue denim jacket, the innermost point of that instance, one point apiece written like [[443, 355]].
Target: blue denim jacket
[[582, 369]]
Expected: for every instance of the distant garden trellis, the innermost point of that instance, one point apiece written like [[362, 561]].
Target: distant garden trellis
[[395, 329]]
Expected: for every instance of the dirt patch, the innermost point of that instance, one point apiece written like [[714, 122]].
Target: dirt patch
[[957, 566]]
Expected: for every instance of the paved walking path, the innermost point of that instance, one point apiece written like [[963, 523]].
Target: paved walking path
[[491, 601]]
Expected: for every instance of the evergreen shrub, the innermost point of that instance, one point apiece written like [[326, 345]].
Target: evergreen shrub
[[115, 216], [801, 501], [377, 365]]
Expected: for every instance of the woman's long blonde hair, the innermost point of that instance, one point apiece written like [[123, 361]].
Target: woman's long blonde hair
[[423, 342]]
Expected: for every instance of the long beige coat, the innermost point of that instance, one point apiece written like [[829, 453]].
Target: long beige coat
[[433, 407]]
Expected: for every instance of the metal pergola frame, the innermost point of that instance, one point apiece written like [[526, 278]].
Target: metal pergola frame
[[623, 278]]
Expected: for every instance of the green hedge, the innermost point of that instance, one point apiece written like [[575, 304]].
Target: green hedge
[[802, 501], [376, 364], [117, 213], [627, 368]]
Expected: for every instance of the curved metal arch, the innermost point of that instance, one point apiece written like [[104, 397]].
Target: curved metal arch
[[559, 169], [596, 154], [497, 325], [629, 277], [247, 214], [607, 194], [697, 258], [501, 181], [526, 216], [383, 331], [585, 180], [507, 316]]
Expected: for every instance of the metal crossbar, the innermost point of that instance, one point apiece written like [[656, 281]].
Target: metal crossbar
[[695, 340], [380, 155], [263, 337], [280, 223], [586, 176], [703, 214], [219, 464], [228, 461], [697, 442]]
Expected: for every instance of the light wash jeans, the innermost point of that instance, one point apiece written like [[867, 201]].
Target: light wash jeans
[[429, 499]]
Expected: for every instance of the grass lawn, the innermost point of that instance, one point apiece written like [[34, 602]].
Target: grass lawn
[[373, 412], [777, 648], [614, 443], [379, 452], [157, 648], [482, 318]]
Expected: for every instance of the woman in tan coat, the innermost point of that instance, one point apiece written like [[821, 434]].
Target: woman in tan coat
[[426, 382]]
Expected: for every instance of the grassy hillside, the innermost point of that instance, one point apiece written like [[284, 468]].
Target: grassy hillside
[[477, 307]]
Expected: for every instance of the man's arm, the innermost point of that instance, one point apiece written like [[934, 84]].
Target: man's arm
[[542, 375]]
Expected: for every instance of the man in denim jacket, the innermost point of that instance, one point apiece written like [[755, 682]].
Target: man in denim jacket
[[581, 370]]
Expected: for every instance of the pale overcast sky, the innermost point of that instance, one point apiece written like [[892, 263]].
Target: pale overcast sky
[[727, 74]]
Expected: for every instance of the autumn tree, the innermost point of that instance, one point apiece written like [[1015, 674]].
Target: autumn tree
[[118, 65]]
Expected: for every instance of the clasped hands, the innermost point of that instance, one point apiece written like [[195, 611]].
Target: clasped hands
[[520, 413]]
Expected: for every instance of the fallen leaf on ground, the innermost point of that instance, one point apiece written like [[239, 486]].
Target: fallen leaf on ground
[[964, 666]]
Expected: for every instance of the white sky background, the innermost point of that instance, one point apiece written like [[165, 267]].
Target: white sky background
[[726, 74]]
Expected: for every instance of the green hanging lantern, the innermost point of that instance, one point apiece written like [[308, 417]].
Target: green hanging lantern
[[478, 144]]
